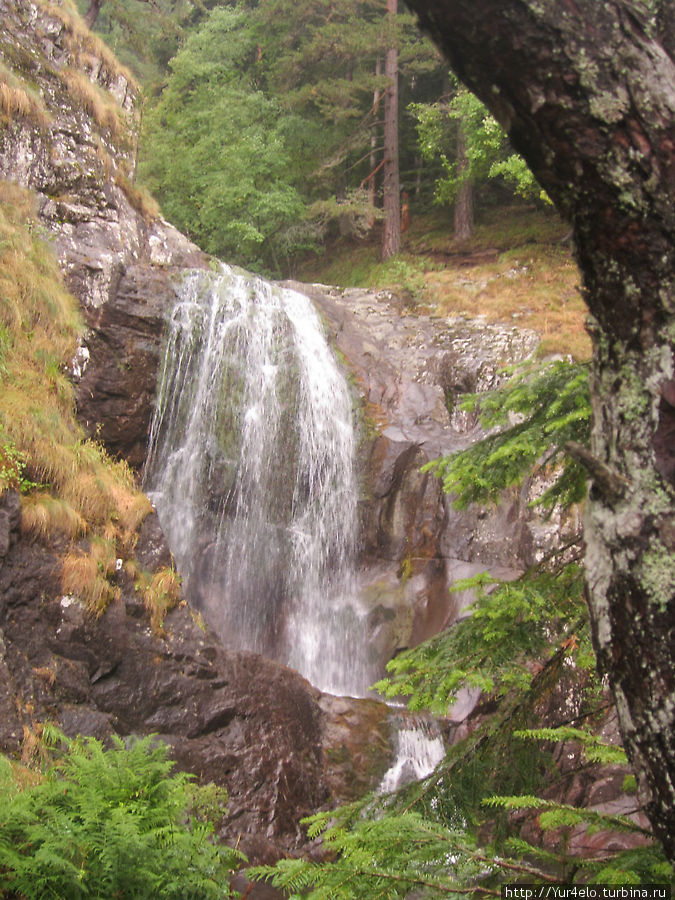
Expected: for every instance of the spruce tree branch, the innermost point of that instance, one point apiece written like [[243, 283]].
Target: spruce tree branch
[[608, 481], [514, 867], [439, 885]]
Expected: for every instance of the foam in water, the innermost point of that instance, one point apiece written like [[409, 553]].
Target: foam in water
[[251, 469]]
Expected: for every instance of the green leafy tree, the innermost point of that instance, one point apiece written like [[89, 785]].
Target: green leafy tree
[[110, 823], [461, 137], [216, 151], [269, 126]]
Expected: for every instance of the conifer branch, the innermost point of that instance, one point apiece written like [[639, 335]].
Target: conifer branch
[[606, 479], [514, 867], [425, 882]]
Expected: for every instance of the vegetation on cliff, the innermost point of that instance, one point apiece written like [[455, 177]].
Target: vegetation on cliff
[[77, 819], [75, 487], [73, 493]]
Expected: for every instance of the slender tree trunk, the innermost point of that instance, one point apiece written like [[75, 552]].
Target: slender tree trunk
[[377, 96], [391, 235], [92, 12], [586, 90], [464, 201], [419, 165]]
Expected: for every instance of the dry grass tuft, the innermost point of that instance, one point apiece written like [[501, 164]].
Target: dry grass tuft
[[20, 102], [37, 745], [42, 317], [161, 593], [103, 108], [534, 287], [86, 575], [83, 43], [139, 197], [131, 506], [15, 776], [43, 515], [32, 748]]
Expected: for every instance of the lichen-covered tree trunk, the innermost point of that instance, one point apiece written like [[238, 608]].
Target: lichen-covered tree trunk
[[586, 90]]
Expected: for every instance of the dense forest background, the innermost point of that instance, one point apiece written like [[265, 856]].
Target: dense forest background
[[264, 124]]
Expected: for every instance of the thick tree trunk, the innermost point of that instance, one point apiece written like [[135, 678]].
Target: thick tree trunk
[[391, 235], [586, 90]]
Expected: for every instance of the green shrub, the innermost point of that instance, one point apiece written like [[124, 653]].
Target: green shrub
[[110, 823]]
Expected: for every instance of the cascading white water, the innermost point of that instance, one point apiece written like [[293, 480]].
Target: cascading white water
[[251, 469], [419, 749]]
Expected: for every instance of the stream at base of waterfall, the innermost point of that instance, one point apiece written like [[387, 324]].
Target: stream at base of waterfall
[[251, 468]]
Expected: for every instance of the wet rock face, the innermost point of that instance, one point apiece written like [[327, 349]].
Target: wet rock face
[[409, 371], [242, 721], [357, 745], [116, 388], [10, 519], [115, 393]]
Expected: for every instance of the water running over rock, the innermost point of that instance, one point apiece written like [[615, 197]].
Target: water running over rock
[[251, 468], [419, 749]]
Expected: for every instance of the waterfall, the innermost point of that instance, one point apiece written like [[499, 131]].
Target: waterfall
[[419, 749], [251, 468]]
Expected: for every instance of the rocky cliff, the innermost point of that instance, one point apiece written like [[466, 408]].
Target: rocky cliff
[[67, 131], [75, 147]]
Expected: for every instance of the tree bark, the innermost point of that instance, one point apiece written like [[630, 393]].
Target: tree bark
[[586, 90], [377, 94], [391, 234], [92, 12]]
